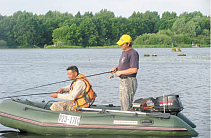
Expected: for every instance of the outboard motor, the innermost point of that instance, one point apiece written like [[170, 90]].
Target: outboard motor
[[170, 103]]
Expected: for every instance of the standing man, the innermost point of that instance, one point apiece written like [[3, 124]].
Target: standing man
[[80, 92], [127, 70]]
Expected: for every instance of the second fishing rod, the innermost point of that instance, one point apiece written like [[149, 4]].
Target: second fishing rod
[[61, 82]]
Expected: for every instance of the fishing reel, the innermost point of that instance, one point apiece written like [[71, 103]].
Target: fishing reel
[[111, 76]]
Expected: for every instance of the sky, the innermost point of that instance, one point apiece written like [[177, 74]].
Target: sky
[[123, 8]]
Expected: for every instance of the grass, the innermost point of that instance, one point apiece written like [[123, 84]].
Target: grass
[[116, 46], [64, 46], [112, 46]]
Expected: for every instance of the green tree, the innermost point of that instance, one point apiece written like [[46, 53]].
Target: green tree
[[69, 35], [167, 24], [105, 13], [168, 16], [103, 28], [27, 31], [152, 19], [138, 27], [178, 26], [74, 35], [89, 33], [205, 24], [50, 21], [7, 25], [119, 26], [153, 39], [78, 15], [190, 28], [87, 14], [103, 22]]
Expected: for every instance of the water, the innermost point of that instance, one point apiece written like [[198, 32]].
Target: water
[[166, 73]]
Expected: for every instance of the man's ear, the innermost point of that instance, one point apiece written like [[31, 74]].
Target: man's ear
[[76, 73]]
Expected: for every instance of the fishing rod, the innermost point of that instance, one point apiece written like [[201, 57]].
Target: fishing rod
[[40, 86], [57, 82], [99, 73], [27, 95]]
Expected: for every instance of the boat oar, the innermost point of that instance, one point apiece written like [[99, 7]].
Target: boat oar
[[27, 95], [153, 114]]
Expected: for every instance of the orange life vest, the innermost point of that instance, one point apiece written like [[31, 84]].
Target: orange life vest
[[85, 99]]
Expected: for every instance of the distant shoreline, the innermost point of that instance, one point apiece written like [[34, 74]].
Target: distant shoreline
[[100, 47]]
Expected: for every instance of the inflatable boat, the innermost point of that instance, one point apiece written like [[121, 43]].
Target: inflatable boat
[[148, 117]]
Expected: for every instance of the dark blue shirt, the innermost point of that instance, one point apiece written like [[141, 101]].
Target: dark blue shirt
[[129, 59]]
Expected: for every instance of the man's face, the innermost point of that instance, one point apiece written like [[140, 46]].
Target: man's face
[[71, 75], [125, 46]]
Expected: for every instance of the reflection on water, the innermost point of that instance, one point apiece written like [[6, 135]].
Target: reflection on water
[[167, 73]]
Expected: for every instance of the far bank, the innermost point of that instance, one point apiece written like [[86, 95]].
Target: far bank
[[88, 47]]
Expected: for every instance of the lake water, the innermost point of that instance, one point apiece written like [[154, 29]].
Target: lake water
[[166, 73]]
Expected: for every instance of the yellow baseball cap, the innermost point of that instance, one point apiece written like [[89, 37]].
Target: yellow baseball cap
[[124, 39]]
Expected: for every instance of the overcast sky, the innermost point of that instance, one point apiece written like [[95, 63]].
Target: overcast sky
[[123, 8]]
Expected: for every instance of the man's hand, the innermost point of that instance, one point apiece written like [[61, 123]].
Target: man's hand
[[60, 91], [54, 95], [114, 69]]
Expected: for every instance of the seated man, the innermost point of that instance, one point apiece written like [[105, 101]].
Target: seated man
[[80, 91]]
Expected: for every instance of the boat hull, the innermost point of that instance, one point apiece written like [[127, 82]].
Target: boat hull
[[33, 119]]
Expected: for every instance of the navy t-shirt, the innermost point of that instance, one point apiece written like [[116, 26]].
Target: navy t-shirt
[[129, 59]]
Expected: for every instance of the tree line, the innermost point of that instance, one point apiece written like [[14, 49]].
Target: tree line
[[102, 29]]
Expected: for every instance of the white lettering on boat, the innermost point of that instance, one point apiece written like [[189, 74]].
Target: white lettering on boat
[[165, 104], [69, 119], [125, 122]]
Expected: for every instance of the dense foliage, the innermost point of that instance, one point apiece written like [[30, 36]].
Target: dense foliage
[[25, 29]]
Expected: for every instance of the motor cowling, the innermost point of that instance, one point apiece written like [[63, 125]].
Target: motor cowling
[[170, 103]]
